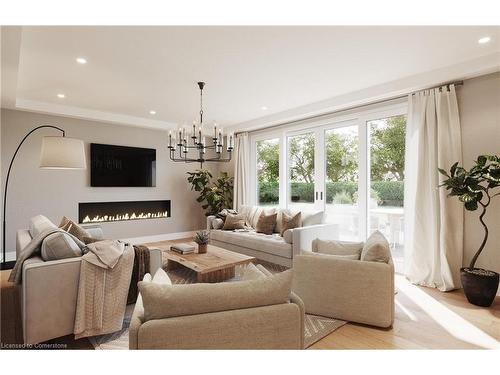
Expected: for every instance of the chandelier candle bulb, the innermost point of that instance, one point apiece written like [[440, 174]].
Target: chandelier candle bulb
[[170, 138]]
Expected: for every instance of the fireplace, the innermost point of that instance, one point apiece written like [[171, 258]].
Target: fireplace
[[98, 212]]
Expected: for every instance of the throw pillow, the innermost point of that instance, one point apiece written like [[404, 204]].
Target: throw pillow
[[313, 218], [234, 222], [251, 272], [289, 222], [333, 247], [288, 236], [165, 301], [39, 224], [161, 278], [376, 249], [73, 228], [59, 245], [217, 223], [266, 223]]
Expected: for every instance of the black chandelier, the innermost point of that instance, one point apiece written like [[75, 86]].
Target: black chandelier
[[181, 145]]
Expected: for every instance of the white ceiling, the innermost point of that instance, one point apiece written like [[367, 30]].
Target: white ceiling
[[132, 70]]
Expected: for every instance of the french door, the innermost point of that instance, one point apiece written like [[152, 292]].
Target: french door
[[354, 171]]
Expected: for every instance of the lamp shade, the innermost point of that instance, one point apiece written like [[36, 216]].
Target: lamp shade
[[62, 153]]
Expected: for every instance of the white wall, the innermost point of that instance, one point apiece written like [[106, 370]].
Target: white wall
[[55, 193], [479, 105]]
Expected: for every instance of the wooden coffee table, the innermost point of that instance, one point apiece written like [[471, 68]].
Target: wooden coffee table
[[216, 265]]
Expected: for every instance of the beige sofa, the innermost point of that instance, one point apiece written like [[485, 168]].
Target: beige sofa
[[272, 248], [49, 291], [353, 290], [273, 326]]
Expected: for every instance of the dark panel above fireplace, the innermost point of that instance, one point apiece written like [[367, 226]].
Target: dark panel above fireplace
[[98, 212]]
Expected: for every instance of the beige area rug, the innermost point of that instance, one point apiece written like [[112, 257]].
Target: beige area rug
[[315, 327]]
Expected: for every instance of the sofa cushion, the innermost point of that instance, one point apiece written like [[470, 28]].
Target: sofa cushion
[[252, 214], [234, 222], [266, 223], [38, 224], [312, 218], [268, 243], [289, 222], [59, 245], [376, 249], [341, 248], [165, 301]]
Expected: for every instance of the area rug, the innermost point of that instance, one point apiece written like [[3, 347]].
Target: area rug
[[315, 327]]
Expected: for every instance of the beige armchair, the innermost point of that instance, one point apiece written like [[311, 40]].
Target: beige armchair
[[274, 326], [353, 290]]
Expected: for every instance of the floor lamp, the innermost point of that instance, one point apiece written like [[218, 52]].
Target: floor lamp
[[58, 152]]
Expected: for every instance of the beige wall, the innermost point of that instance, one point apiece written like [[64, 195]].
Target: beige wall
[[56, 193], [479, 105]]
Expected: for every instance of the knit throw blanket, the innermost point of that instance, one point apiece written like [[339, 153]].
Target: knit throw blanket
[[141, 267], [105, 276]]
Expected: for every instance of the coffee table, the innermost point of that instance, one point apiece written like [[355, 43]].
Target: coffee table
[[214, 266]]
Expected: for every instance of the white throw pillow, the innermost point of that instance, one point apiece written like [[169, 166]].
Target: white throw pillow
[[340, 248], [161, 278], [288, 236], [251, 272], [38, 224], [312, 218], [59, 245]]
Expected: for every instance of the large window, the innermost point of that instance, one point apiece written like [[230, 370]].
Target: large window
[[268, 171], [351, 167]]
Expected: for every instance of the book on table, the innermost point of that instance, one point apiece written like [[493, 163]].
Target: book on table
[[182, 248]]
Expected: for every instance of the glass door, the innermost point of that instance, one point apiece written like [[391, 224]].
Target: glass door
[[386, 138], [342, 203], [302, 194]]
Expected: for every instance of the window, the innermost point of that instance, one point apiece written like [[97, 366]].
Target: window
[[301, 171], [268, 168]]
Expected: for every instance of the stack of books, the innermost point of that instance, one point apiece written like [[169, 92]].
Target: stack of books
[[182, 248]]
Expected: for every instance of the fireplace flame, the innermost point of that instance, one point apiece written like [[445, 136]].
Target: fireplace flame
[[126, 216]]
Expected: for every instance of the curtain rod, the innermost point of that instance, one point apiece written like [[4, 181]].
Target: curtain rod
[[456, 83]]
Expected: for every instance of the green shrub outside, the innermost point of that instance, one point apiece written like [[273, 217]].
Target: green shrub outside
[[389, 193]]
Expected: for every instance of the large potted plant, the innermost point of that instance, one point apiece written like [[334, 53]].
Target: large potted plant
[[476, 188], [214, 195]]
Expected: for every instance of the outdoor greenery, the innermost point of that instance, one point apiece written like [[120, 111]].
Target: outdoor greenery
[[475, 187], [214, 195], [387, 139]]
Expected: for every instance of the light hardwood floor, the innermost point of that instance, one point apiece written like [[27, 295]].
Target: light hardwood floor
[[425, 319]]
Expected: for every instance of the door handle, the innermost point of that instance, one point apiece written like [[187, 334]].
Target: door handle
[[321, 196], [316, 195]]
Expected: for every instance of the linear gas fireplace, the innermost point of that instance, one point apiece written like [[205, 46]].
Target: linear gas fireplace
[[98, 212]]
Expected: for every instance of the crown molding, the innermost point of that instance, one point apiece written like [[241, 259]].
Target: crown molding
[[469, 69], [89, 114]]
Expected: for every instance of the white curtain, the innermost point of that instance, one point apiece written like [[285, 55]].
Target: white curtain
[[433, 222], [241, 169]]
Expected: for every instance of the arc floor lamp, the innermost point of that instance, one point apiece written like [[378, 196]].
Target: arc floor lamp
[[58, 152]]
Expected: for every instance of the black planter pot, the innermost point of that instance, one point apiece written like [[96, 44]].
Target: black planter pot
[[480, 289]]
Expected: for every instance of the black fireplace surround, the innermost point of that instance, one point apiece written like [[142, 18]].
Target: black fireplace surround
[[98, 212]]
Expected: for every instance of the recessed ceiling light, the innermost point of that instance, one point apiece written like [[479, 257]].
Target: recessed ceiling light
[[81, 60], [152, 112], [61, 96], [484, 40], [264, 108]]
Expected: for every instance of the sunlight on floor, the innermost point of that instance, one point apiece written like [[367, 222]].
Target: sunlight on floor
[[446, 318], [408, 313]]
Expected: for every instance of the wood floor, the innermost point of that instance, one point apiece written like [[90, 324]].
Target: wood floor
[[425, 319]]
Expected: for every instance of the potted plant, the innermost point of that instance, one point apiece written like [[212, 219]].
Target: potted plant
[[214, 196], [476, 188], [202, 238]]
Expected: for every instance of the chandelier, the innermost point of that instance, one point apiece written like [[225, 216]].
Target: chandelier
[[186, 143]]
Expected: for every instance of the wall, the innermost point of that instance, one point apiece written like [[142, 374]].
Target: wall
[[479, 105], [55, 193]]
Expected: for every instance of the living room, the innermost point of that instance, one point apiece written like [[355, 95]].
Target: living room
[[250, 187]]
